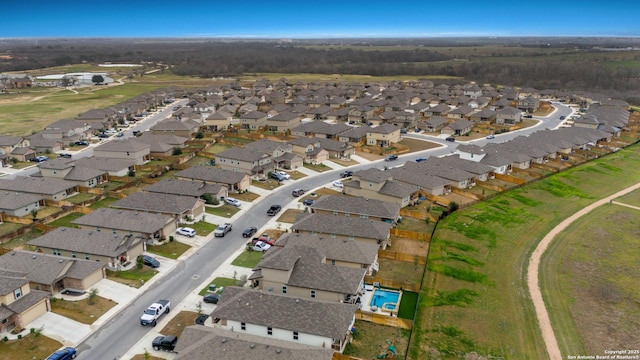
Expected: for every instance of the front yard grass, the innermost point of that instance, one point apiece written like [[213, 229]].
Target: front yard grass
[[66, 220], [169, 249], [268, 184], [371, 340], [317, 167], [32, 346], [134, 277], [246, 196], [416, 145], [80, 310], [248, 259], [202, 228], [220, 282], [289, 215], [225, 210], [177, 324]]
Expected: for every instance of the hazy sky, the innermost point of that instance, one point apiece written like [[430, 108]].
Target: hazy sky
[[308, 19]]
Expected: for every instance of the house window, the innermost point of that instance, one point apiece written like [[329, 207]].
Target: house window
[[17, 293], [351, 237], [73, 254], [364, 216], [295, 335], [370, 184], [313, 294], [333, 236], [347, 215], [335, 213], [56, 252], [4, 321], [86, 256], [269, 331], [284, 289]]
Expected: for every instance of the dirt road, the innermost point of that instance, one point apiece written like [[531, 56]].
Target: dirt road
[[533, 273]]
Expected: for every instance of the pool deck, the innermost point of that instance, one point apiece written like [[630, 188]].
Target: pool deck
[[366, 300]]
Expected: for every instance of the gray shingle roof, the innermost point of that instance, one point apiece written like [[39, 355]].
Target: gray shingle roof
[[357, 206], [211, 174], [330, 319], [345, 226], [157, 202], [359, 252], [10, 281], [184, 187], [27, 301], [36, 185], [83, 241], [106, 164], [47, 269], [372, 174], [127, 220], [124, 145], [14, 201], [241, 154]]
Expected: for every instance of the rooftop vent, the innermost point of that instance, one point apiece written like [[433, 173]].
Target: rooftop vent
[[278, 351], [33, 257], [297, 301], [224, 341], [252, 345]]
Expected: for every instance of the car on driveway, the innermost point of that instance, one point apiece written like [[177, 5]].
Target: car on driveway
[[221, 230], [284, 175], [63, 354], [103, 136], [186, 231], [81, 143], [338, 184], [391, 158], [40, 158], [276, 176], [265, 239], [450, 139], [232, 202], [261, 246], [248, 232], [166, 343], [211, 298], [491, 136], [273, 210], [150, 261], [64, 155]]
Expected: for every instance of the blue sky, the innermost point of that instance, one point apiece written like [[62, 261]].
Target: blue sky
[[317, 19]]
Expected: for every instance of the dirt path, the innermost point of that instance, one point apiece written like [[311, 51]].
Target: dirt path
[[533, 273]]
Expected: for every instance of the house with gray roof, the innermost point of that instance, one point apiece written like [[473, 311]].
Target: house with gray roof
[[20, 204], [309, 149], [67, 169], [244, 160], [177, 206], [219, 120], [162, 144], [19, 304], [356, 135], [54, 273], [378, 184], [235, 181], [111, 249], [8, 144], [253, 120], [125, 149], [438, 110], [483, 116], [383, 135], [425, 183], [459, 127], [342, 205], [50, 189], [270, 147], [323, 324], [346, 228], [331, 131], [148, 226], [43, 142], [173, 126], [508, 116], [113, 167], [308, 128], [283, 121], [205, 343], [189, 188]]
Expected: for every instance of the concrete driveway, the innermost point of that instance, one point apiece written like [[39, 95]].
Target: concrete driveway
[[68, 332]]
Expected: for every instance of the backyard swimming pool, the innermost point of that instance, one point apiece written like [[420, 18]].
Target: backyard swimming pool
[[386, 300]]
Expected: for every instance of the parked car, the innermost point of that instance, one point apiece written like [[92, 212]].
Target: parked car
[[284, 175], [221, 230], [120, 134], [298, 192], [273, 210], [403, 131], [211, 298], [391, 158], [40, 158], [528, 116], [166, 343], [151, 315], [346, 174], [276, 176], [264, 238], [186, 231], [421, 159], [562, 117], [81, 143], [63, 354], [450, 138], [261, 246], [150, 261], [338, 184], [232, 201], [103, 136], [110, 132], [491, 136], [308, 202], [137, 132], [248, 232], [64, 155]]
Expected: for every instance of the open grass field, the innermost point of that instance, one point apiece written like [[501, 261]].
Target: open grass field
[[31, 346], [589, 279], [632, 198], [474, 295]]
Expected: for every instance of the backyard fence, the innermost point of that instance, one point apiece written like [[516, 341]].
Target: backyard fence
[[394, 255], [384, 320], [393, 284], [413, 235]]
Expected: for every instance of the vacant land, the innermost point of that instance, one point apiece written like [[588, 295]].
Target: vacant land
[[589, 277], [474, 294]]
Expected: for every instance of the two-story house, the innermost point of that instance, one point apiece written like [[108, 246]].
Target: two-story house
[[253, 120], [145, 225], [19, 304], [345, 228], [378, 184], [383, 135], [127, 149], [248, 161], [283, 121], [67, 169], [234, 181]]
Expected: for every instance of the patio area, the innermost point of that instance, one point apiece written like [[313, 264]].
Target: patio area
[[375, 300]]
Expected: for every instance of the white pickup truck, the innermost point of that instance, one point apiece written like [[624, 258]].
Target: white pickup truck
[[151, 315]]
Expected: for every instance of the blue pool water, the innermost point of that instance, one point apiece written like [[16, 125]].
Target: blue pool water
[[380, 297]]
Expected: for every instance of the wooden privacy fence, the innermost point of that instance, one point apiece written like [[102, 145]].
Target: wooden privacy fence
[[410, 258], [384, 320], [338, 356], [511, 179], [393, 284], [415, 214], [413, 235]]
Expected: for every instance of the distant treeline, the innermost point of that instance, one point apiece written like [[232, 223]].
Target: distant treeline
[[389, 57]]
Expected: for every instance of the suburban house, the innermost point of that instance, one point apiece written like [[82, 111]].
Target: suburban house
[[54, 273], [357, 135], [234, 181], [304, 272], [19, 304], [483, 116], [114, 250], [323, 324], [345, 228], [378, 184], [433, 124], [50, 189], [9, 144], [438, 110], [508, 116], [67, 169], [127, 149], [245, 160], [113, 167], [283, 121], [42, 142], [461, 112], [178, 206], [144, 225], [331, 131], [308, 128], [162, 144], [309, 149], [71, 130], [19, 204], [342, 205], [280, 152], [459, 127], [458, 178], [173, 126], [383, 135], [189, 188], [205, 343], [528, 104], [253, 120], [424, 183], [218, 121]]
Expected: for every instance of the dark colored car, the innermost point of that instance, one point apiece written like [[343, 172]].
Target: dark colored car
[[308, 202], [346, 174], [40, 158], [211, 298], [421, 159], [562, 117], [63, 354], [298, 192], [274, 209], [150, 261], [103, 136], [120, 134], [166, 343], [201, 319], [249, 231], [391, 158], [81, 143], [450, 138]]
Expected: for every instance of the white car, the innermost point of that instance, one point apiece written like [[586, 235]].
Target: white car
[[284, 175], [491, 136], [110, 132], [186, 231], [261, 246], [338, 184], [232, 201]]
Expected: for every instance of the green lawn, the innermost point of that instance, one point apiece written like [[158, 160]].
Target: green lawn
[[370, 340], [474, 294], [202, 228], [221, 282], [80, 198], [248, 259], [408, 305], [66, 220], [134, 277], [169, 249], [103, 203], [317, 167], [225, 210]]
